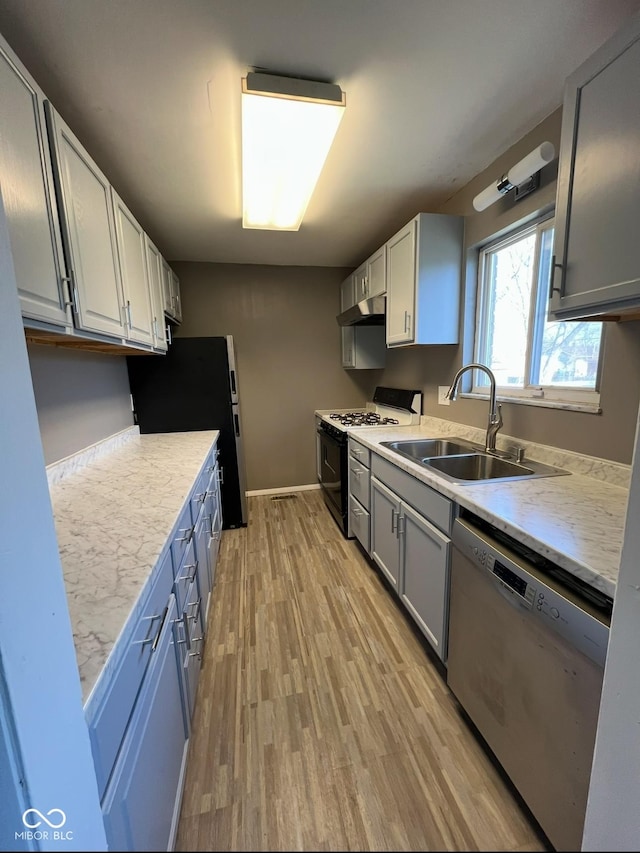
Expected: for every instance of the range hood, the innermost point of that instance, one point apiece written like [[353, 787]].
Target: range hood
[[369, 312]]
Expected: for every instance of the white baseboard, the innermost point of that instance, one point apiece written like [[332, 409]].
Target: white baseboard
[[307, 488]]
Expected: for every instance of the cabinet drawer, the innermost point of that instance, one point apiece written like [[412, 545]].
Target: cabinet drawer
[[107, 728], [192, 650], [360, 452], [185, 574], [199, 494], [428, 502], [360, 523], [183, 536], [359, 481]]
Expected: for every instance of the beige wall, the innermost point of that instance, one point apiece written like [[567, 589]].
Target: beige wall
[[610, 434], [283, 320]]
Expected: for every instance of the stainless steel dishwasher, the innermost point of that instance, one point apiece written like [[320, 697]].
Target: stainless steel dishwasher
[[527, 644]]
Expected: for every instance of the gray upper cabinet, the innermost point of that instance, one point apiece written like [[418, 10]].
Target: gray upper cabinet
[[132, 253], [597, 250], [27, 191], [423, 272], [347, 298], [175, 297], [88, 230], [377, 273]]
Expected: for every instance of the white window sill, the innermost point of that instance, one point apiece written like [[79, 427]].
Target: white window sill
[[589, 408]]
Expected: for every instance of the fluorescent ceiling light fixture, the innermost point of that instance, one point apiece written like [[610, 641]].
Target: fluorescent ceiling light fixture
[[518, 177], [288, 125]]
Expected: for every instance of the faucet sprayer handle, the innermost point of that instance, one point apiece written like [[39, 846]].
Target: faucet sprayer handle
[[498, 417]]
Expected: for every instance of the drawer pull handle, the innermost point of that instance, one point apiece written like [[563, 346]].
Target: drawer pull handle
[[190, 577], [188, 531], [195, 604]]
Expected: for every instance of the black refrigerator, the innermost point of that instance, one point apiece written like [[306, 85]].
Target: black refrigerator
[[195, 387]]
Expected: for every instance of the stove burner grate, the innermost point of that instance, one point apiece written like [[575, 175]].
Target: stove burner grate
[[362, 419]]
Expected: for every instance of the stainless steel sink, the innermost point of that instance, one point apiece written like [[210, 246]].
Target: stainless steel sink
[[429, 447], [463, 462]]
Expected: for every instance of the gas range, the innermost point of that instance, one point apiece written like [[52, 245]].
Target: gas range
[[390, 406]]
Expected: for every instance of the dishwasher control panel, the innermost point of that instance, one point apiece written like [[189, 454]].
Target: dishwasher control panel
[[528, 587]]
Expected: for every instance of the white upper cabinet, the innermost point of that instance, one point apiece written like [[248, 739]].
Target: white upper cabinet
[[360, 284], [27, 193], [171, 293], [132, 255], [376, 274], [423, 274], [597, 251], [154, 269], [175, 297], [88, 230]]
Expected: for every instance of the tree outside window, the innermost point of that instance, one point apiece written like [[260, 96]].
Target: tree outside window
[[529, 354]]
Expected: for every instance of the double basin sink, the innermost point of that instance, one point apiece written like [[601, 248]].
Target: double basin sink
[[464, 462]]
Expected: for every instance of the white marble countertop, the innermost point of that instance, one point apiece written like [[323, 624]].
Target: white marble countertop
[[113, 516], [575, 520]]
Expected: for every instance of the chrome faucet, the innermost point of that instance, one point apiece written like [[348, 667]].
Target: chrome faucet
[[495, 411]]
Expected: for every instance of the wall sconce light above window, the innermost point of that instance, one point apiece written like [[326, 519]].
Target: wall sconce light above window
[[523, 177], [288, 126]]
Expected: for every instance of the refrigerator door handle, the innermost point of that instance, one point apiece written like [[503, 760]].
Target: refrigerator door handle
[[232, 375]]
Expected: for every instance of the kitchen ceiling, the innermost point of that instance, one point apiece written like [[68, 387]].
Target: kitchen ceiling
[[435, 92]]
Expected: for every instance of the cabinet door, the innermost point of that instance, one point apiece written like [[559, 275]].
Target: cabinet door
[[27, 194], [597, 251], [425, 576], [133, 271], [347, 293], [385, 543], [359, 477], [401, 285], [142, 804], [360, 284], [202, 538], [377, 273], [88, 228], [166, 288], [154, 268], [348, 346], [175, 297]]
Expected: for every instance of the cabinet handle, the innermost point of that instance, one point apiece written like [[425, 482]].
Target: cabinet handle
[[188, 531], [401, 529], [168, 328], [129, 314], [355, 473], [554, 267], [393, 520], [190, 577], [196, 654], [221, 475], [196, 604]]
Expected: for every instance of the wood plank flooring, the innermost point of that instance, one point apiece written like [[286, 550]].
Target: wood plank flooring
[[321, 721]]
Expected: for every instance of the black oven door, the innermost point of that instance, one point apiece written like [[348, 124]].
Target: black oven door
[[333, 475]]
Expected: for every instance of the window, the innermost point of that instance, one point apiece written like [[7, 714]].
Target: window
[[532, 357]]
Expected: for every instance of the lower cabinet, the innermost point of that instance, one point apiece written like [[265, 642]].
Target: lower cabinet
[[412, 552], [142, 804], [139, 721]]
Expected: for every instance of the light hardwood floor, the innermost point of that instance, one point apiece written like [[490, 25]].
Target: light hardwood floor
[[321, 721]]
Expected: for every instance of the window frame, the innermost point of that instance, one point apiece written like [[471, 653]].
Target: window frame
[[587, 399]]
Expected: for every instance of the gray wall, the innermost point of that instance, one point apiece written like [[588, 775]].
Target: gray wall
[[283, 320], [610, 434], [81, 398]]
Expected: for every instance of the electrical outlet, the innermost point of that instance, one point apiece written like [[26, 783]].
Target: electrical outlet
[[443, 400]]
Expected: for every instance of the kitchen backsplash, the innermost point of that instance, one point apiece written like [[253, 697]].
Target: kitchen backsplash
[[614, 473]]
